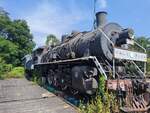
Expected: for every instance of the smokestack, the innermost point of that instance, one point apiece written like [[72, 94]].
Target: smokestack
[[101, 18]]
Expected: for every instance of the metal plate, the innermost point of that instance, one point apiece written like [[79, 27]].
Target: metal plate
[[129, 55]]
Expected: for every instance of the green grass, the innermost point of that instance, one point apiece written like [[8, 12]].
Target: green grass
[[17, 72]]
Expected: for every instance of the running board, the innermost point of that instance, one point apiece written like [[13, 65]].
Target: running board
[[78, 60]]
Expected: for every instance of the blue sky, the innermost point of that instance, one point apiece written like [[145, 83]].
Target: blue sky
[[62, 16]]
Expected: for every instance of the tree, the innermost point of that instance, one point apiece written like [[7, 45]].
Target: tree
[[9, 51], [51, 40], [17, 33], [22, 37], [3, 13], [145, 42]]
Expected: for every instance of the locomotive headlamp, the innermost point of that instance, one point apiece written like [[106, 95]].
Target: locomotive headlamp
[[131, 33], [125, 37], [127, 34]]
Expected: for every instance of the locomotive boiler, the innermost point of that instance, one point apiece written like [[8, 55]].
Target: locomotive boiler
[[77, 63], [95, 43]]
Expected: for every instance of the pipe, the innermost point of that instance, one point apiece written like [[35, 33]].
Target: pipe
[[101, 18]]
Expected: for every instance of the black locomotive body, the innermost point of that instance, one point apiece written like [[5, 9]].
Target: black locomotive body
[[85, 44], [82, 57], [93, 43]]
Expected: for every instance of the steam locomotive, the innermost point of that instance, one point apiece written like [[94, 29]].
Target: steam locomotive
[[77, 63]]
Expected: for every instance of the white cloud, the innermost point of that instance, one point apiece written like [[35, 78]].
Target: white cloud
[[102, 3], [49, 18]]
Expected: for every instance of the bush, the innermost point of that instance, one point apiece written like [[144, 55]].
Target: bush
[[148, 66], [7, 70], [102, 103], [4, 68], [17, 72]]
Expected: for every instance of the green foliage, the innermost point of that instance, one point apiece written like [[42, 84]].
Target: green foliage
[[7, 70], [101, 86], [148, 66], [145, 42], [94, 106], [15, 42], [4, 68], [15, 39], [52, 40], [17, 72], [8, 51], [3, 13], [102, 103], [99, 105]]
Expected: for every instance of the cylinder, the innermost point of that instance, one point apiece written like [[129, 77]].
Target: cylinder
[[101, 19]]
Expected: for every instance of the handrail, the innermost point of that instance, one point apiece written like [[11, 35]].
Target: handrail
[[140, 46], [113, 52], [137, 67], [99, 67], [145, 52], [106, 36], [113, 48]]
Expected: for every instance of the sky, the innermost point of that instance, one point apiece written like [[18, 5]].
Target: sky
[[60, 17]]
